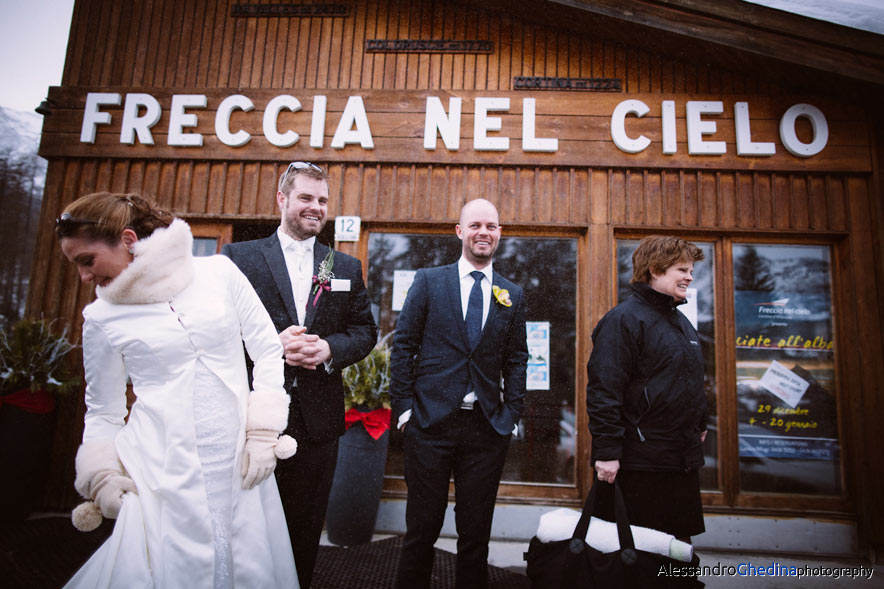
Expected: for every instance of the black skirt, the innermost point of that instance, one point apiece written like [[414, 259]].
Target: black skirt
[[665, 501]]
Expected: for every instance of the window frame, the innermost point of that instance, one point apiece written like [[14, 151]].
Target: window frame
[[729, 498], [518, 492]]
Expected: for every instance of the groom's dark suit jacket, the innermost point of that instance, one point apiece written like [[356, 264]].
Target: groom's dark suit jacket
[[432, 364], [342, 318]]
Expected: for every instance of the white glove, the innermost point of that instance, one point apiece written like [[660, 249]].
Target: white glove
[[101, 478], [107, 488], [262, 448], [258, 458]]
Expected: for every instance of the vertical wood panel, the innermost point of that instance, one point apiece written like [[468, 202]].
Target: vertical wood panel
[[508, 195], [745, 201], [708, 199], [635, 198], [763, 184], [485, 185], [456, 196], [690, 197], [173, 33], [213, 26], [599, 197], [385, 192], [527, 203], [617, 196], [727, 200], [248, 196], [800, 203], [192, 26], [128, 36], [653, 205], [673, 205], [314, 53], [369, 191], [272, 54], [782, 201], [265, 191], [580, 195], [197, 199]]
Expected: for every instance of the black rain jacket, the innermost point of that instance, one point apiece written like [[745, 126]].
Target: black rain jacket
[[645, 394]]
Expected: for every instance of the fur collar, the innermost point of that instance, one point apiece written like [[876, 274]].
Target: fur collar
[[163, 267]]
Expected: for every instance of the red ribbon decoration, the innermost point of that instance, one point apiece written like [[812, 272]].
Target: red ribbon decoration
[[320, 286], [38, 401], [376, 421]]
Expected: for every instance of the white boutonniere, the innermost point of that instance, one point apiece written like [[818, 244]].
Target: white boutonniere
[[322, 279]]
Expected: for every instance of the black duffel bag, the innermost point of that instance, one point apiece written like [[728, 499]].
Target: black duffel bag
[[571, 564]]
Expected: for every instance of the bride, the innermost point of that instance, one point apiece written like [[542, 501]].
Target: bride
[[187, 473]]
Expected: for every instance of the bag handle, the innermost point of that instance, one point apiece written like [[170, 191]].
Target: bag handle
[[577, 545], [622, 519], [624, 532]]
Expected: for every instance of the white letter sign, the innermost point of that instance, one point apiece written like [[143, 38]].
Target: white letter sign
[[820, 130], [448, 125], [618, 126], [482, 123], [132, 123], [92, 117], [697, 127], [222, 120], [354, 114]]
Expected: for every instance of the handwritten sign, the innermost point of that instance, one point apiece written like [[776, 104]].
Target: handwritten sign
[[784, 383]]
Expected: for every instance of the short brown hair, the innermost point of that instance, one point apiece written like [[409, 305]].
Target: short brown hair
[[657, 253], [102, 216], [295, 169]]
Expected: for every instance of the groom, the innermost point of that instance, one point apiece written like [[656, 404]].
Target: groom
[[458, 382], [319, 305]]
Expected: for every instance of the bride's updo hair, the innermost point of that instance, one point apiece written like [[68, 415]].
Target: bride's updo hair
[[103, 216]]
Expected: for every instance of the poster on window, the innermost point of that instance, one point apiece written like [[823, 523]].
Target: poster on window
[[785, 359], [538, 355], [402, 280]]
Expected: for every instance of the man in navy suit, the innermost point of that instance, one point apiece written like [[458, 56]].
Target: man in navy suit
[[319, 305], [458, 383]]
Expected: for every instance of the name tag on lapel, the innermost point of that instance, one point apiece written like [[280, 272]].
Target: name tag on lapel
[[340, 284]]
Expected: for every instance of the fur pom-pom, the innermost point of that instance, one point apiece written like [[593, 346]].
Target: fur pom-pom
[[285, 447], [86, 516]]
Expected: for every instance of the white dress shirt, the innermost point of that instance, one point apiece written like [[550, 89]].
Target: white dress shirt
[[299, 263], [466, 286]]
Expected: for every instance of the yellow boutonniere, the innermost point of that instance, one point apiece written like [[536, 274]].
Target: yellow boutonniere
[[502, 296]]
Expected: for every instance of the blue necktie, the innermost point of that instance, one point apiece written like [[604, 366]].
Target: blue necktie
[[474, 310]]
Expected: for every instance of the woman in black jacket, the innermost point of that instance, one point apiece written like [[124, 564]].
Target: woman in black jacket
[[645, 395]]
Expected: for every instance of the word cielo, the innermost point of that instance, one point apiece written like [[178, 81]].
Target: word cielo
[[141, 112]]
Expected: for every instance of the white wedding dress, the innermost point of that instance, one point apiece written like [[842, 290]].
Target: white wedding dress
[[175, 326]]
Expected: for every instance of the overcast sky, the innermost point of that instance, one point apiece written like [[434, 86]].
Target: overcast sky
[[34, 34], [33, 42]]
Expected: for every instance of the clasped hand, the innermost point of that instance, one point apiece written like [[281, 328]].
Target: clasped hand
[[303, 349]]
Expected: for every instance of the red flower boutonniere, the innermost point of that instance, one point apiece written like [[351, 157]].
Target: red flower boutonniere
[[502, 296], [322, 280]]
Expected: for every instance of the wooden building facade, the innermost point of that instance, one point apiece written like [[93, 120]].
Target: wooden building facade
[[590, 124]]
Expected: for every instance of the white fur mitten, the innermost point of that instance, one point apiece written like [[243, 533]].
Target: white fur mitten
[[267, 417], [101, 478]]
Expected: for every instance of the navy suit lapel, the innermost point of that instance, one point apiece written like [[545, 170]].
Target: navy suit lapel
[[279, 271], [319, 253]]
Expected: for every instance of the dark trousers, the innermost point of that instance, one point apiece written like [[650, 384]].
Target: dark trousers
[[467, 446], [304, 482]]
